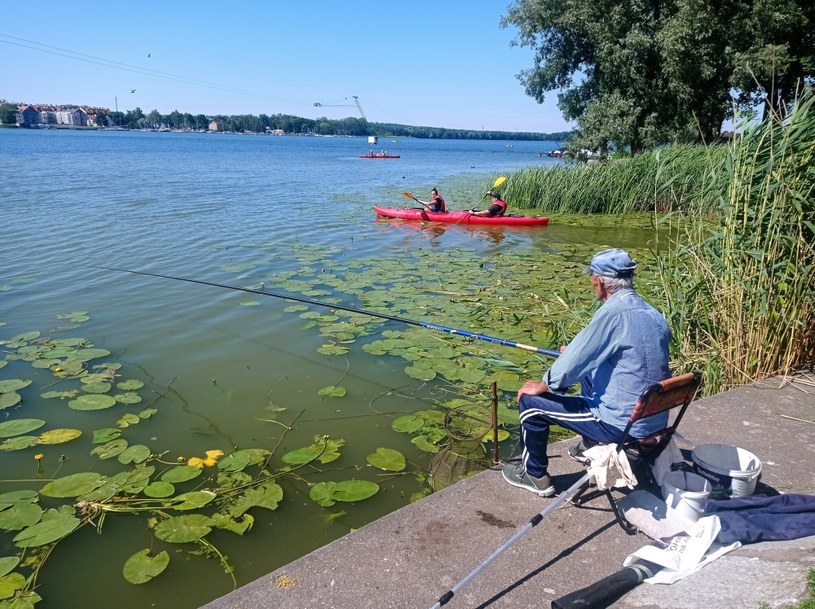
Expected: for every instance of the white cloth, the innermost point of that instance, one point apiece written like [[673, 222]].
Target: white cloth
[[609, 468], [686, 553]]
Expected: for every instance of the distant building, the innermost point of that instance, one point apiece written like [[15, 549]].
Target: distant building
[[29, 116], [42, 114], [216, 125], [74, 116]]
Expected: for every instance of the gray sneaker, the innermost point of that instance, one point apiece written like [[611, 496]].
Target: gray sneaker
[[516, 475], [576, 451]]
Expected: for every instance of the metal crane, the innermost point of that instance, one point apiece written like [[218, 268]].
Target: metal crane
[[356, 103]]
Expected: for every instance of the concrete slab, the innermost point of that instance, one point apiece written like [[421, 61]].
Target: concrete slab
[[411, 557]]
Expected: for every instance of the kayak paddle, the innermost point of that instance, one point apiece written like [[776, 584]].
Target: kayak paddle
[[410, 196]]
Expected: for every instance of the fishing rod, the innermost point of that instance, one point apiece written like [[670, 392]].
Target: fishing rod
[[410, 322], [533, 522]]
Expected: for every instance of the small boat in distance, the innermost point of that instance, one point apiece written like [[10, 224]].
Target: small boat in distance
[[416, 214], [378, 155]]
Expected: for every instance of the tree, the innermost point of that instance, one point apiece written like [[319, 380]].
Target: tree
[[8, 114], [776, 53], [154, 119], [647, 73]]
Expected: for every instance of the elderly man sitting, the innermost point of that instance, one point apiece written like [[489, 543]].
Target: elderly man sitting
[[622, 351]]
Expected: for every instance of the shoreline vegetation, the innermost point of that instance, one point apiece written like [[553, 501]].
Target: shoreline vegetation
[[276, 124], [737, 269]]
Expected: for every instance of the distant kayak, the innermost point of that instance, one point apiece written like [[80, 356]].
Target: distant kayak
[[378, 155], [457, 217]]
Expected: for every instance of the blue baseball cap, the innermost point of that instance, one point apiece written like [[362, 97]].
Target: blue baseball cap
[[614, 263]]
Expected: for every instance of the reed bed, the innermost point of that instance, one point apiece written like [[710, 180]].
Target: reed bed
[[739, 290], [664, 179]]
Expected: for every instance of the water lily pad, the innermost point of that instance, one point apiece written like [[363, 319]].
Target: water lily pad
[[9, 584], [127, 420], [9, 399], [92, 402], [96, 387], [267, 496], [419, 373], [25, 337], [101, 436], [20, 496], [332, 349], [85, 355], [324, 449], [114, 448], [424, 444], [183, 529], [141, 567], [13, 385], [181, 473], [19, 443], [327, 493], [129, 385], [73, 485], [160, 489], [134, 454], [46, 531], [235, 462], [223, 521], [127, 398], [20, 516], [242, 458], [388, 459], [7, 564], [58, 436], [407, 423], [332, 392], [192, 500], [17, 427]]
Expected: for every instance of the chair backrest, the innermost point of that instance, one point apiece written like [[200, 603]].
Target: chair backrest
[[674, 392], [670, 393]]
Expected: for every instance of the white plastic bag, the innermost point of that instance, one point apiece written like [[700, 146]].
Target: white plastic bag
[[685, 553]]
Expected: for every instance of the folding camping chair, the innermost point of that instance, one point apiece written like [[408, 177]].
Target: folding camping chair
[[675, 392]]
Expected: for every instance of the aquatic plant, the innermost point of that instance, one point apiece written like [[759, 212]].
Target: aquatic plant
[[739, 286], [665, 179]]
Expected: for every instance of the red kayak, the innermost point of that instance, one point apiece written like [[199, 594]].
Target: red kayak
[[457, 217], [378, 155]]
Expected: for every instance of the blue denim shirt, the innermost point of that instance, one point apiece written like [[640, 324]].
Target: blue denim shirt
[[622, 352]]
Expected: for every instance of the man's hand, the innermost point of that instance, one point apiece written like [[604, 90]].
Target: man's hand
[[533, 388]]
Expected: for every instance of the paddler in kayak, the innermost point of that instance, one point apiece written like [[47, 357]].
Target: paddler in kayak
[[436, 202], [498, 207]]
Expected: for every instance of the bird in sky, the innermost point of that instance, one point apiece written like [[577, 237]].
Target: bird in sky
[[132, 90], [148, 55]]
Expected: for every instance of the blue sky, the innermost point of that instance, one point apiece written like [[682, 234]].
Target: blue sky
[[443, 63]]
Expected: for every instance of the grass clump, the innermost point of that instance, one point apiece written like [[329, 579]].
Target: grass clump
[[739, 289], [664, 179]]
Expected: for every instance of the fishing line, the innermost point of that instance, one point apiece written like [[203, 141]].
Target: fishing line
[[410, 322]]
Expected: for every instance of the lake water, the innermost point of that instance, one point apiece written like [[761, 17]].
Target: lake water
[[221, 366]]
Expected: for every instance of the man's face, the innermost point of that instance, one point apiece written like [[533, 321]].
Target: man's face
[[599, 288]]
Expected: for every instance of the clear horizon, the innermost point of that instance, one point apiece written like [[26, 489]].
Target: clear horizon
[[436, 64]]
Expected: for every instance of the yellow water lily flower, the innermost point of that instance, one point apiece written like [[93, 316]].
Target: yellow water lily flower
[[210, 460], [38, 456], [196, 462]]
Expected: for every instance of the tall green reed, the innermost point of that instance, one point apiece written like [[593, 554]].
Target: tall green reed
[[738, 287], [668, 178]]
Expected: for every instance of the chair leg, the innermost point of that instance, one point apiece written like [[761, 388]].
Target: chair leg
[[618, 514]]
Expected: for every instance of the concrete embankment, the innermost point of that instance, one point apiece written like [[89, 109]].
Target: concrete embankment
[[409, 558]]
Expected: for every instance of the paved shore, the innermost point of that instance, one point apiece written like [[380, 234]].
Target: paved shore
[[409, 558]]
